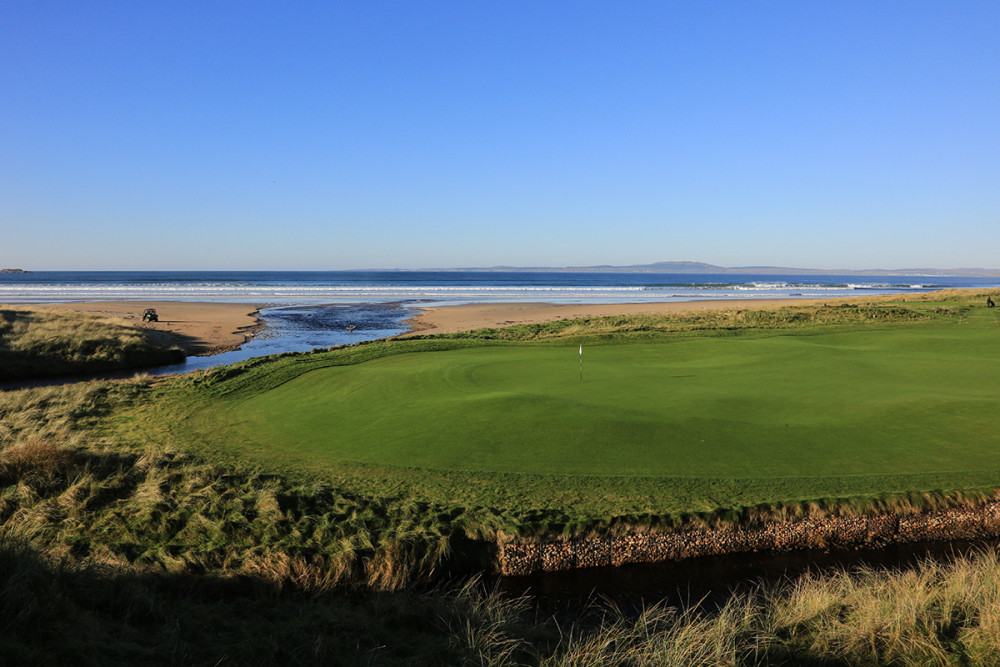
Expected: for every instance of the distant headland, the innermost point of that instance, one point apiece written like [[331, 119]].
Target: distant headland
[[701, 267], [14, 271]]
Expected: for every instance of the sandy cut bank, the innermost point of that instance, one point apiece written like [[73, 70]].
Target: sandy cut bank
[[200, 328], [453, 319]]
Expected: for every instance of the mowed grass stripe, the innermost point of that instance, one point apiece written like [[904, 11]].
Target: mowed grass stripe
[[914, 399]]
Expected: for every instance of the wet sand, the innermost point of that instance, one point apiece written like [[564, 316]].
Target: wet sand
[[200, 328], [451, 319]]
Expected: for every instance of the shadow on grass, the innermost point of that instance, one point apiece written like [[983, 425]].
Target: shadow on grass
[[59, 613]]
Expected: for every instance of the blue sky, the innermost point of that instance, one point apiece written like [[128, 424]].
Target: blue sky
[[235, 135]]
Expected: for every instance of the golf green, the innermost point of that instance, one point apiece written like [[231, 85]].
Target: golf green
[[852, 401]]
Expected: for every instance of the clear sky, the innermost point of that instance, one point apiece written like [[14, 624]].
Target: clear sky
[[339, 135]]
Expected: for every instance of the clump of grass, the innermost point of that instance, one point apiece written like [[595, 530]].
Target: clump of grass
[[104, 503], [31, 458], [51, 343], [662, 635], [936, 614]]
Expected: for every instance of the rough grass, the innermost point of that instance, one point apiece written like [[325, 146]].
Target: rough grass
[[175, 515], [933, 614], [53, 343], [58, 611], [97, 501]]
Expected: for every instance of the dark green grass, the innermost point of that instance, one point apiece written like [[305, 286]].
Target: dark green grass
[[659, 425]]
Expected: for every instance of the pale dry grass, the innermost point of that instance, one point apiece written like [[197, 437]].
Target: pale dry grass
[[33, 456], [37, 343], [923, 616]]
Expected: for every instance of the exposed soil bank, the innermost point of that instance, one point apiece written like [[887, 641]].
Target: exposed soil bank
[[961, 523]]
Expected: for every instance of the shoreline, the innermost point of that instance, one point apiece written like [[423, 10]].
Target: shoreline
[[199, 328], [203, 328]]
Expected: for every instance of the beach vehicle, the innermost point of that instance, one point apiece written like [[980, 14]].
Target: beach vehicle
[[150, 315]]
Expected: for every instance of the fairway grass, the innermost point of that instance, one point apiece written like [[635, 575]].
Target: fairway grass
[[660, 425]]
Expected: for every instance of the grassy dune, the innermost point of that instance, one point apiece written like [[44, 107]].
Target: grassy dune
[[50, 343]]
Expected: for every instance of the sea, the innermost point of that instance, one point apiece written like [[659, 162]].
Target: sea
[[304, 310]]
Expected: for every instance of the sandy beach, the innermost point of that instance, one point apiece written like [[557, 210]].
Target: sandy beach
[[450, 319], [201, 328]]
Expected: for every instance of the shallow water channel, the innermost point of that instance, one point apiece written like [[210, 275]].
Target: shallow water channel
[[304, 328]]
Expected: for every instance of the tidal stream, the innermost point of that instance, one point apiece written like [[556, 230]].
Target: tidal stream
[[285, 329]]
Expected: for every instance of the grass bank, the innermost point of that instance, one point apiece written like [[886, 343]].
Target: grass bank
[[55, 343]]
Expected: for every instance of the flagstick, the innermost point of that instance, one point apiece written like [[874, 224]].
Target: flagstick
[[581, 363]]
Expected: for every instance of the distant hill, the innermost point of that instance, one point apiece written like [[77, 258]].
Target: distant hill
[[702, 267]]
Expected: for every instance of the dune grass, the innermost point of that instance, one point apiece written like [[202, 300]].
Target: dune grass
[[723, 322], [54, 343]]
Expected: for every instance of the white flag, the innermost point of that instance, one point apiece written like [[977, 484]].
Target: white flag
[[581, 350]]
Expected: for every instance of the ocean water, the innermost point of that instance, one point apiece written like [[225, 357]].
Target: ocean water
[[416, 288], [307, 310]]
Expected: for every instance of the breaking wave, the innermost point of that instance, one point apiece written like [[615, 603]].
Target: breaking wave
[[440, 288]]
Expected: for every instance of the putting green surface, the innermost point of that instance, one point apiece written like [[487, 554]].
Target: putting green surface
[[905, 400]]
